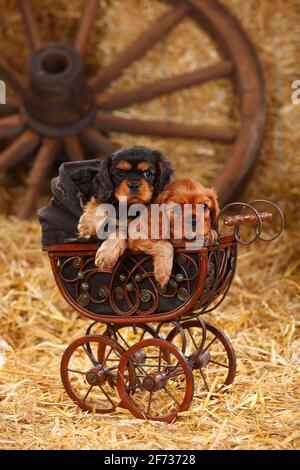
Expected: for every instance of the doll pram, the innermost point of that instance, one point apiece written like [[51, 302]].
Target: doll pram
[[156, 352]]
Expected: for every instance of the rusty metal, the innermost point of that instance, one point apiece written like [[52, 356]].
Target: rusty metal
[[58, 102]]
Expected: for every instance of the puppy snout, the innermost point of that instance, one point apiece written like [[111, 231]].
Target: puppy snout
[[133, 185]]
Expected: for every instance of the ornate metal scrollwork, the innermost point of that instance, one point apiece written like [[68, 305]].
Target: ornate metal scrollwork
[[130, 289]]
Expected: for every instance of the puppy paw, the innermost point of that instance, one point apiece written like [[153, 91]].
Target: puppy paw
[[109, 253], [162, 271], [162, 278], [86, 228], [104, 260]]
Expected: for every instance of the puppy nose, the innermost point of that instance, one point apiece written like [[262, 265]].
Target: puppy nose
[[134, 185]]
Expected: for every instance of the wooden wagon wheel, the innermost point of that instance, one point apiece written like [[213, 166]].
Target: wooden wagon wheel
[[58, 107]]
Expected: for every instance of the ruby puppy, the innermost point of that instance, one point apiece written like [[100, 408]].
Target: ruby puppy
[[182, 192]]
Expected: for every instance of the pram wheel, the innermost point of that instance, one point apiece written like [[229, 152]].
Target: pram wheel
[[164, 380], [209, 353], [88, 379], [215, 367]]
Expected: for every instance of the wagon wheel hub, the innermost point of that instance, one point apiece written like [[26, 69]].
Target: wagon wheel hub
[[154, 382], [96, 376], [139, 357], [198, 361], [58, 101]]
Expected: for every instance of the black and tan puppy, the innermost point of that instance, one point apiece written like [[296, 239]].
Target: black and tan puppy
[[133, 174]]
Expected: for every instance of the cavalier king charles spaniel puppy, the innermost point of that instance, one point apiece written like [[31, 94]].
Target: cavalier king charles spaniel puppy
[[179, 193], [135, 175]]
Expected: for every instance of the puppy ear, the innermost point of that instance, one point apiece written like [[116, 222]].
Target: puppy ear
[[215, 208], [163, 197], [163, 174], [102, 187]]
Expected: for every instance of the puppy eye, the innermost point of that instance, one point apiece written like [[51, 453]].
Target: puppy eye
[[147, 174], [205, 207]]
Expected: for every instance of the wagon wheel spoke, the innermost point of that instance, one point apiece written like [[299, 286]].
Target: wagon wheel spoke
[[110, 101], [11, 106], [109, 122], [204, 380], [11, 126], [77, 371], [88, 351], [73, 148], [149, 402], [85, 26], [210, 344], [140, 46], [38, 174], [122, 338], [97, 142], [107, 395], [192, 338], [106, 357], [9, 75], [219, 364], [29, 23], [19, 149], [87, 393], [159, 361]]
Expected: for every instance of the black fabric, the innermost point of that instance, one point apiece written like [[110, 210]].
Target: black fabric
[[70, 190]]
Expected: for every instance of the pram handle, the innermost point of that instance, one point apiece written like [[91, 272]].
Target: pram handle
[[240, 219]]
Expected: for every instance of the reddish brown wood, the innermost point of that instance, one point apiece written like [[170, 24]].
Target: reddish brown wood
[[140, 46], [9, 75], [11, 126], [235, 43], [109, 101], [97, 142], [29, 23], [11, 106], [109, 122], [236, 220], [19, 149], [59, 117], [37, 176], [73, 148], [86, 23]]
